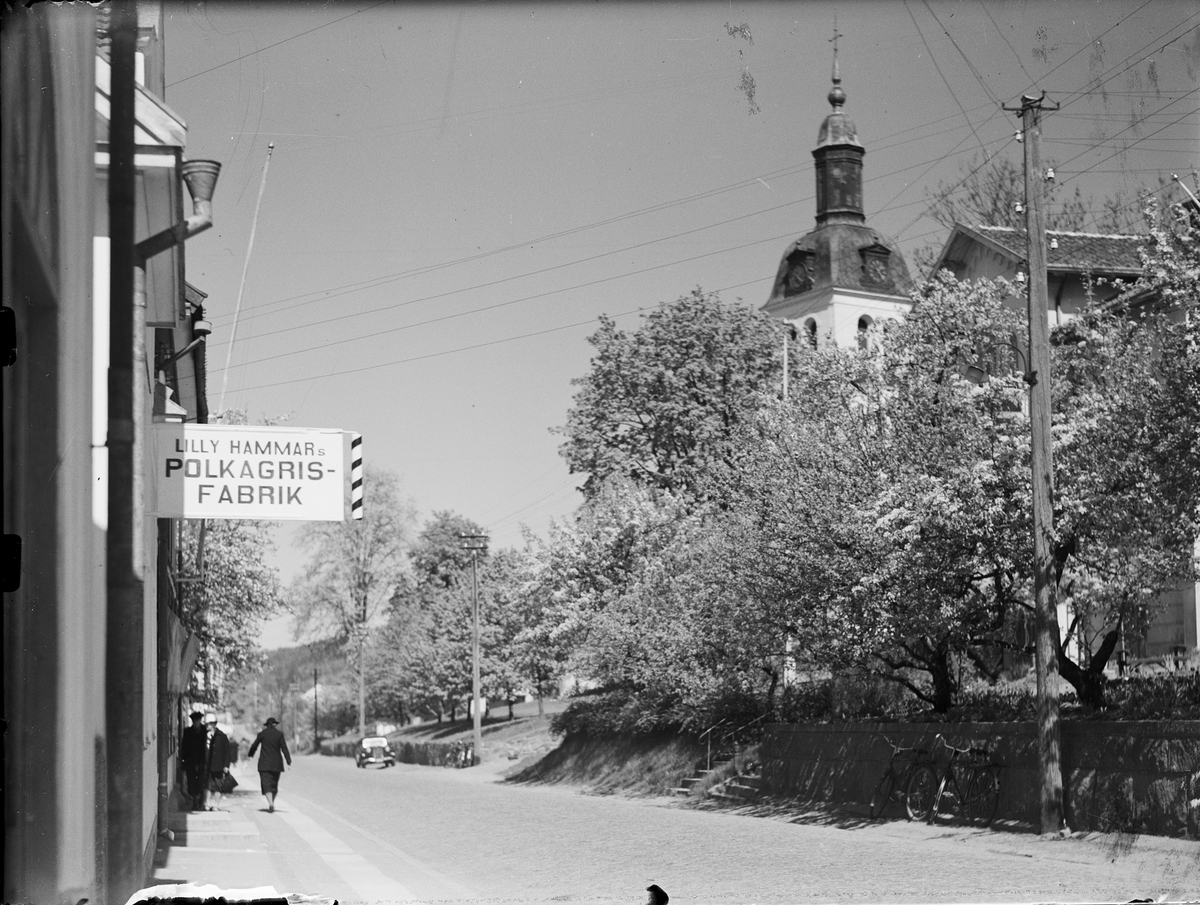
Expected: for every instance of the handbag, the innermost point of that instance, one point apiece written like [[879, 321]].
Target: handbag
[[228, 784]]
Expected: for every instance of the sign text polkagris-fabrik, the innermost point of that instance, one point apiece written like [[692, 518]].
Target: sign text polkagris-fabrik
[[245, 472]]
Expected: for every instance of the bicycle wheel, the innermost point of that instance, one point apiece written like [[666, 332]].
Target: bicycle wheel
[[983, 796], [920, 792], [883, 793]]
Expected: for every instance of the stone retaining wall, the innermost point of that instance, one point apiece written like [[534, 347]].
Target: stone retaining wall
[[1133, 777]]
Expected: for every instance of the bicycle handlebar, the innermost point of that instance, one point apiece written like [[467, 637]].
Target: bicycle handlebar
[[970, 749], [896, 749]]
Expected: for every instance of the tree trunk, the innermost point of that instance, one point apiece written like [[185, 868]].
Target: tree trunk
[[941, 671], [1089, 683], [774, 673]]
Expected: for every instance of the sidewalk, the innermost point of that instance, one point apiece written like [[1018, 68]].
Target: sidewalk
[[222, 848], [226, 850]]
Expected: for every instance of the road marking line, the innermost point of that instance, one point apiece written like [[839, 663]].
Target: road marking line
[[459, 890], [367, 880]]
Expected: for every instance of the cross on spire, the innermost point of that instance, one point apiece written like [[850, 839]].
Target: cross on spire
[[834, 40]]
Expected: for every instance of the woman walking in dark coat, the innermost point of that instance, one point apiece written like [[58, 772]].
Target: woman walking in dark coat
[[270, 761], [220, 756]]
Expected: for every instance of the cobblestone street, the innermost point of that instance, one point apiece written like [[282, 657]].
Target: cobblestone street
[[433, 834]]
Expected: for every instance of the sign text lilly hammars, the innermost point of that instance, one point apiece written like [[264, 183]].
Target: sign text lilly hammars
[[246, 472]]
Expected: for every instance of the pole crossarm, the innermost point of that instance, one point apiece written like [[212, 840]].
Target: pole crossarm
[[1030, 102]]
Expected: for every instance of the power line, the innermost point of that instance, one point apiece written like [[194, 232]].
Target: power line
[[195, 75], [933, 60], [984, 6], [966, 59], [1099, 37], [510, 302], [494, 342], [527, 298], [536, 295], [568, 486], [886, 208], [1089, 88], [392, 307], [335, 291]]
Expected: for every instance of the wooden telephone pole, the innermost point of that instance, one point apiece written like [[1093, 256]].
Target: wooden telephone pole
[[476, 543], [1046, 631]]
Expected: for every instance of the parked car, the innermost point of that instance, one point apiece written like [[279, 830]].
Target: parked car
[[374, 749]]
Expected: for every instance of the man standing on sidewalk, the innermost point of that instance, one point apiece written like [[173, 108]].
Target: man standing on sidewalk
[[193, 757], [270, 761]]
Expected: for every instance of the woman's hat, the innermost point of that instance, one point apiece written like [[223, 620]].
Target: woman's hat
[[196, 715], [210, 718], [271, 721]]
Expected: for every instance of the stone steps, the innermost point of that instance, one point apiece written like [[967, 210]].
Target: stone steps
[[746, 786]]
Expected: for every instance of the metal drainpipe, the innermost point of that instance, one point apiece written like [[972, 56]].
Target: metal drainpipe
[[165, 544], [168, 238], [200, 366], [124, 654]]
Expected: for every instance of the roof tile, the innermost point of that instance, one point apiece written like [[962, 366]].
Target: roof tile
[[1092, 252]]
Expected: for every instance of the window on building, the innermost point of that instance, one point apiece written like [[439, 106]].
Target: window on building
[[810, 332], [865, 323]]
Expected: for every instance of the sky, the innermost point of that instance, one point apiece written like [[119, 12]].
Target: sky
[[457, 191]]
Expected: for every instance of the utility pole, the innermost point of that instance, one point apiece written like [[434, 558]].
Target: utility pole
[[316, 731], [475, 543], [362, 674], [1046, 645]]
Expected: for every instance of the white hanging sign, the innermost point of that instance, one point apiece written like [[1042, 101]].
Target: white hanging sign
[[225, 471]]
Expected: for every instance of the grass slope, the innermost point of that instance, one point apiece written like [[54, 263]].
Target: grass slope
[[642, 765]]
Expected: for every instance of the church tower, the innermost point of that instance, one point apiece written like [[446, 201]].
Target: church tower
[[838, 280]]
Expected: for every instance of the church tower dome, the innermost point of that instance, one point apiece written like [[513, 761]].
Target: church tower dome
[[839, 161], [843, 272]]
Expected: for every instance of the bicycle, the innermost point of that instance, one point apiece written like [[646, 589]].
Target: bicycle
[[969, 777], [452, 755], [893, 784], [466, 755]]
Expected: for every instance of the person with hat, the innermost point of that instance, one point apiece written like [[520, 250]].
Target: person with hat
[[193, 757], [270, 761], [219, 759], [658, 895]]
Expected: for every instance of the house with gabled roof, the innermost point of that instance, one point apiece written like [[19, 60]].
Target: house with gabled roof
[[1080, 267]]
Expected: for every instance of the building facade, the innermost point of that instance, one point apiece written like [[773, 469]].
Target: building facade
[[87, 772]]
